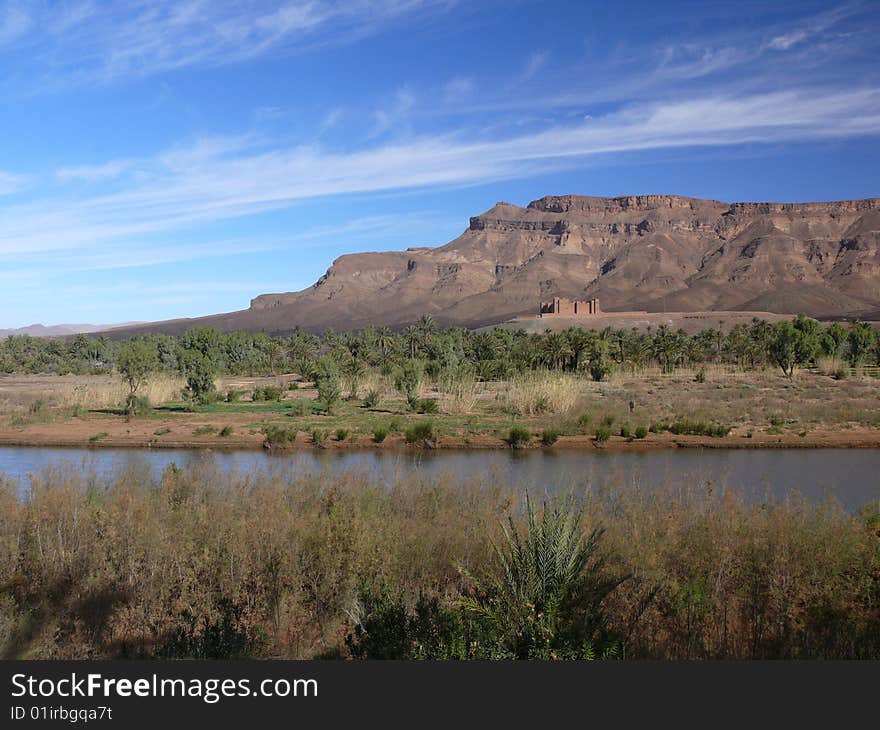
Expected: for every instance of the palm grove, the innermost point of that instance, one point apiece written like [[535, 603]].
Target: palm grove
[[334, 359]]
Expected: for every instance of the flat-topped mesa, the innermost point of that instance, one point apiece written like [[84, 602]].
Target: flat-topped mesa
[[837, 207], [636, 253], [599, 205]]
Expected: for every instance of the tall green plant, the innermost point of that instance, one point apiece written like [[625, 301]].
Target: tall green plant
[[546, 602]]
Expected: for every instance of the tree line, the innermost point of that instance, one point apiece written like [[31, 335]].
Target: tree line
[[202, 353]]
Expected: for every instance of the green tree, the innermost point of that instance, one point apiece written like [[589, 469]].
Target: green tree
[[794, 344], [199, 371], [408, 381], [859, 339], [135, 360], [326, 377]]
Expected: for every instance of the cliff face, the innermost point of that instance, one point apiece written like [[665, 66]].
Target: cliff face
[[648, 252], [651, 252]]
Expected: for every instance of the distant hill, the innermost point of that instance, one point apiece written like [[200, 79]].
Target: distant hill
[[62, 330], [648, 252]]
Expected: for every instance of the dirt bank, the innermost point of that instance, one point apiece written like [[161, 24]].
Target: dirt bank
[[179, 433]]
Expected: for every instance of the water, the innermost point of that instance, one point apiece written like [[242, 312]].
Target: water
[[850, 475]]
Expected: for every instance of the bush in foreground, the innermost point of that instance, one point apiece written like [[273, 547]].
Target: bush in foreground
[[543, 600]]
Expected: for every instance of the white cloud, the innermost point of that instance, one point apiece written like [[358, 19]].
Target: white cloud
[[10, 183], [812, 27], [143, 37], [458, 88], [536, 62], [95, 173], [219, 178], [14, 23], [396, 114]]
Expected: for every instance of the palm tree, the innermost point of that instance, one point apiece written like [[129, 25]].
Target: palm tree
[[413, 338], [387, 344], [557, 349], [547, 601]]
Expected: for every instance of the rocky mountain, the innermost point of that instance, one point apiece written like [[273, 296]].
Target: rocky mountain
[[646, 252]]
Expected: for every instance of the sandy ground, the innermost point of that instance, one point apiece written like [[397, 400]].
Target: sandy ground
[[690, 322], [816, 411]]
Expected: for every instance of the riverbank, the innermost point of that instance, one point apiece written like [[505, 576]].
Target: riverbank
[[178, 434], [644, 411]]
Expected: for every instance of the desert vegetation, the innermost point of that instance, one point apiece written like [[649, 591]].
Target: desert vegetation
[[198, 563], [791, 378]]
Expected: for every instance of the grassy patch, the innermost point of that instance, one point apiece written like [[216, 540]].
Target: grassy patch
[[549, 436], [518, 437]]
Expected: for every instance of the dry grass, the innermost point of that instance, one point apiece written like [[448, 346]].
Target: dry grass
[[102, 567], [541, 392]]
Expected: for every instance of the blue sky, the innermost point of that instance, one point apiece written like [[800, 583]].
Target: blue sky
[[163, 159]]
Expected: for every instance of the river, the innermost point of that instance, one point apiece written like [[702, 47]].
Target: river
[[852, 476]]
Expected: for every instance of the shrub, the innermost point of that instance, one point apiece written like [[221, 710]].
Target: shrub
[[599, 369], [544, 599], [267, 393], [341, 434], [227, 431], [371, 399], [320, 437], [327, 381], [698, 428], [700, 377], [161, 431], [408, 382], [226, 637], [293, 385], [141, 406], [98, 437], [298, 407], [379, 434], [549, 436], [659, 427], [329, 394], [428, 405], [602, 434], [233, 396], [583, 421], [278, 436], [641, 432], [608, 420], [624, 431], [422, 432], [204, 431], [518, 437]]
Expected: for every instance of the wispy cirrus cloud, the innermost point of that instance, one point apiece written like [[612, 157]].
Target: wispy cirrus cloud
[[534, 64], [14, 23], [10, 183], [220, 179], [813, 27], [82, 41], [95, 173]]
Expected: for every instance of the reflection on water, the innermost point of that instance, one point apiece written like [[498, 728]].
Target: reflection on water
[[851, 475]]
